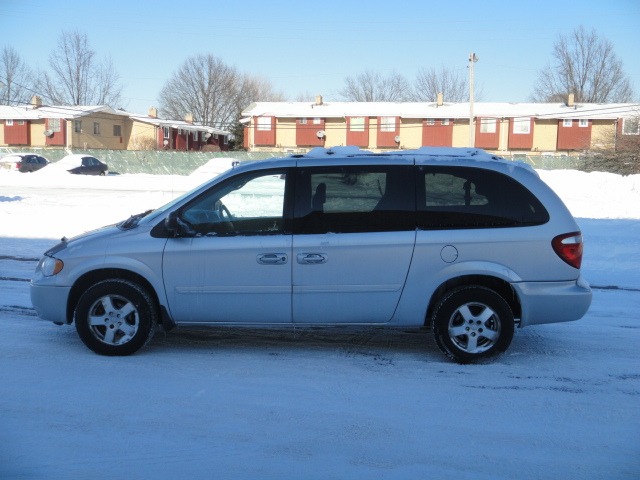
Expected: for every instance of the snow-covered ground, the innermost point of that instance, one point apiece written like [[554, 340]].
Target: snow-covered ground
[[563, 402]]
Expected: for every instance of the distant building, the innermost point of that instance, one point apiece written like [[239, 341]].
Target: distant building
[[505, 128], [101, 127]]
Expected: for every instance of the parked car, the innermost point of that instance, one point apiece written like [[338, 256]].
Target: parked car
[[82, 164], [24, 162], [454, 239]]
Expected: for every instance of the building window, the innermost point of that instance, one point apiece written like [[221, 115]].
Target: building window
[[264, 123], [631, 126], [387, 124], [317, 121], [583, 123], [487, 125], [195, 136], [54, 124], [77, 126], [445, 121], [165, 133], [20, 122], [522, 125], [9, 123], [117, 130], [96, 128], [356, 124], [431, 121], [303, 121], [567, 122]]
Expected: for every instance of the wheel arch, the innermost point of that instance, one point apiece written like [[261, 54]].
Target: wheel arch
[[98, 275], [500, 286]]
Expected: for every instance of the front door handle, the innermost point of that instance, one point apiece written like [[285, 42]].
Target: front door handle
[[272, 258], [311, 258]]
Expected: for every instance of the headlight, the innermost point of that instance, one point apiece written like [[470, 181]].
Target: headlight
[[50, 266]]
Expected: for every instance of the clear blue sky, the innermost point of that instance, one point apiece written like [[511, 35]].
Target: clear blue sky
[[308, 47]]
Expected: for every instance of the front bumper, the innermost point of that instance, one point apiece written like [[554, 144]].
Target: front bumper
[[553, 302], [50, 302]]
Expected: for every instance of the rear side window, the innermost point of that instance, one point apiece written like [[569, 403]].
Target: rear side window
[[464, 197], [351, 199]]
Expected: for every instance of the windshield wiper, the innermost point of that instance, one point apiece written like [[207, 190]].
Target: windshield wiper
[[133, 220]]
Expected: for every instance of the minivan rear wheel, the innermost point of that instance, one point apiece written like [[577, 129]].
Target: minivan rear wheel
[[115, 317], [471, 323]]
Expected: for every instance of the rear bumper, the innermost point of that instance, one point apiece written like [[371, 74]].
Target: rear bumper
[[552, 302], [50, 302]]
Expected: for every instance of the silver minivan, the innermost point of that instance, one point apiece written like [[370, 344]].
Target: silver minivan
[[453, 239]]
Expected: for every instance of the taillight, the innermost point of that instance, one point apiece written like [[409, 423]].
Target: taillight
[[569, 248]]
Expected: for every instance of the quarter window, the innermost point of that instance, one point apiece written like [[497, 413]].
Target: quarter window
[[474, 198]]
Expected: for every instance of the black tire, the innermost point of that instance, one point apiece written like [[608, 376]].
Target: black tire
[[472, 323], [115, 317]]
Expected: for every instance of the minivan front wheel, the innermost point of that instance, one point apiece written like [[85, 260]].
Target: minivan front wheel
[[471, 323], [115, 317]]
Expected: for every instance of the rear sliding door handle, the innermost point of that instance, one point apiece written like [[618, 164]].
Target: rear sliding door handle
[[272, 258], [311, 258]]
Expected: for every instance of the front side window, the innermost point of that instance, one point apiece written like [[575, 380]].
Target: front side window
[[458, 197], [350, 199], [249, 204]]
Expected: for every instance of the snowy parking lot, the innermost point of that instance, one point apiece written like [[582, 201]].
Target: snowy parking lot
[[563, 402]]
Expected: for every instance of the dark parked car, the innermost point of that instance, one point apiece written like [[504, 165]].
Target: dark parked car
[[83, 164], [24, 162]]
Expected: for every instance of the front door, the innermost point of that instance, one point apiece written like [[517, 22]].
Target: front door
[[235, 266]]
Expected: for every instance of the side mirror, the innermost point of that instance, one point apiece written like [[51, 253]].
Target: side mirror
[[171, 224], [176, 227]]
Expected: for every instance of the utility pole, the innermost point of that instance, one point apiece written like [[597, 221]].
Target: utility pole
[[472, 125]]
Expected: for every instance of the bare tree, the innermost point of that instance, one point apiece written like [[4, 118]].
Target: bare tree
[[77, 77], [429, 83], [370, 86], [215, 93], [585, 65], [15, 78]]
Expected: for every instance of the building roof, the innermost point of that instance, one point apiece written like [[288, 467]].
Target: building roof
[[31, 112], [181, 124], [419, 110]]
